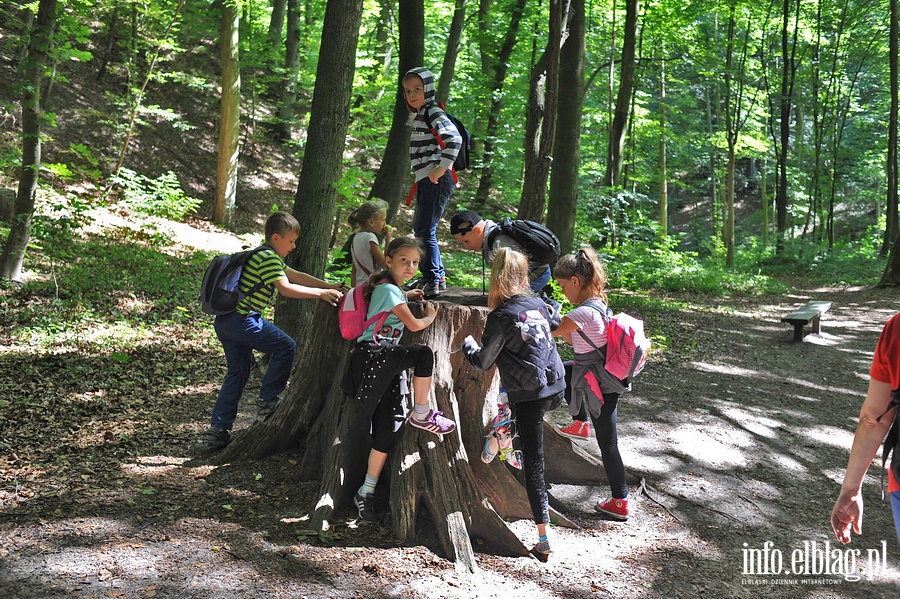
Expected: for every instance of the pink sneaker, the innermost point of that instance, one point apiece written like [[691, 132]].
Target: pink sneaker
[[617, 509], [434, 423], [578, 430]]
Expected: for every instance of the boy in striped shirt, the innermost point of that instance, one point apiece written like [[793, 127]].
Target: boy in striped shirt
[[432, 154], [245, 330]]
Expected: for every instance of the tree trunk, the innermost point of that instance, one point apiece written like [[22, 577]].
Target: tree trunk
[[284, 121], [394, 172], [276, 23], [229, 118], [542, 102], [663, 175], [891, 229], [443, 475], [563, 200], [454, 35], [40, 41], [615, 156], [788, 52], [499, 70], [323, 158]]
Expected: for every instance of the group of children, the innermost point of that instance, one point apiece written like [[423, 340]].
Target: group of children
[[518, 334]]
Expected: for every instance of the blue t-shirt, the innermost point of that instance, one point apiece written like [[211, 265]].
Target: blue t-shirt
[[384, 298]]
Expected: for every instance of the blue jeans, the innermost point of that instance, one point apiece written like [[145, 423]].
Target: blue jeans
[[431, 199], [895, 507], [240, 334], [540, 282]]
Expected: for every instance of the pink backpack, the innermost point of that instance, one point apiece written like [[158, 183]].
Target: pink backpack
[[626, 345], [352, 310]]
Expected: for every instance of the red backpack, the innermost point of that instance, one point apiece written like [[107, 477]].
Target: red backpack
[[352, 310]]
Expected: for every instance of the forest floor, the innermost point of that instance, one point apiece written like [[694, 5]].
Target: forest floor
[[741, 441]]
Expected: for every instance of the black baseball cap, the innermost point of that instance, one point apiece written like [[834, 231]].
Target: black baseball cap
[[463, 222]]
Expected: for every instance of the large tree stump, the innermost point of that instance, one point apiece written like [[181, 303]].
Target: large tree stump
[[467, 500]]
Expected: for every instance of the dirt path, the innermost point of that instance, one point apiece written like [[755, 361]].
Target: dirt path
[[740, 435]]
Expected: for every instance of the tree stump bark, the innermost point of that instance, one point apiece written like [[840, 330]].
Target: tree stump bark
[[468, 501]]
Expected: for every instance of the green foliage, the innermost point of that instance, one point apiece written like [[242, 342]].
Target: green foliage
[[56, 226], [161, 197], [661, 266]]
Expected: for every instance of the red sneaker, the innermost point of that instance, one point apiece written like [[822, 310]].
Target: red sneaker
[[578, 430], [617, 509]]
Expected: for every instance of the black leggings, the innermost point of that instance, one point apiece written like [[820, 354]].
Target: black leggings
[[529, 417], [390, 414], [607, 437]]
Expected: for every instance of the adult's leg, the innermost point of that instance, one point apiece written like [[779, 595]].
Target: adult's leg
[[229, 329], [607, 440], [431, 199], [530, 422]]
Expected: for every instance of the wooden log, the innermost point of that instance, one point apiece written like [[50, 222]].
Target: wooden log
[[467, 500]]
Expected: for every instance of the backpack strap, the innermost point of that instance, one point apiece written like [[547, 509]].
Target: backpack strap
[[893, 436], [254, 288], [440, 142], [605, 313]]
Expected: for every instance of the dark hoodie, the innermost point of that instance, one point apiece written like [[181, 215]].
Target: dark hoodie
[[424, 150]]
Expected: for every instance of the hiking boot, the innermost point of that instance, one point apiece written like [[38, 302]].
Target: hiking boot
[[578, 430], [616, 509], [215, 439], [366, 506], [435, 423], [264, 409], [541, 551], [442, 285], [431, 290]]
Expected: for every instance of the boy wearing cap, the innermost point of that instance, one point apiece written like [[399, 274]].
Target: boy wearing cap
[[476, 233]]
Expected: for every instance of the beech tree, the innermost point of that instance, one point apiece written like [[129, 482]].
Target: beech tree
[[40, 40], [229, 117]]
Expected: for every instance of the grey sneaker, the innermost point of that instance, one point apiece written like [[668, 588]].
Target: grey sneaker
[[431, 290], [215, 439], [264, 409]]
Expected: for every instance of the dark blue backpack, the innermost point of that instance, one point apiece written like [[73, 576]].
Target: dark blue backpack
[[219, 291]]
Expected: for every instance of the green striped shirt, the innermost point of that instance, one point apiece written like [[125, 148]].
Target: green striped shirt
[[264, 267]]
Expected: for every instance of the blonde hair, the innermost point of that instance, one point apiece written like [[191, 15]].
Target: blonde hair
[[366, 212], [509, 277], [587, 267]]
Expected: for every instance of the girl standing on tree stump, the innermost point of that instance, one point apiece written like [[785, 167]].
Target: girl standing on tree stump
[[518, 340], [378, 365]]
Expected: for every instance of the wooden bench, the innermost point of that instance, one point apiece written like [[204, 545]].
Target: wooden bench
[[810, 313]]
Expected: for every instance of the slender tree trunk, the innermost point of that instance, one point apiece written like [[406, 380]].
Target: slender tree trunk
[[394, 173], [140, 95], [276, 23], [890, 233], [499, 70], [229, 119], [540, 121], [448, 67], [323, 159], [788, 68], [39, 44], [615, 156], [563, 201], [284, 122], [663, 175]]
